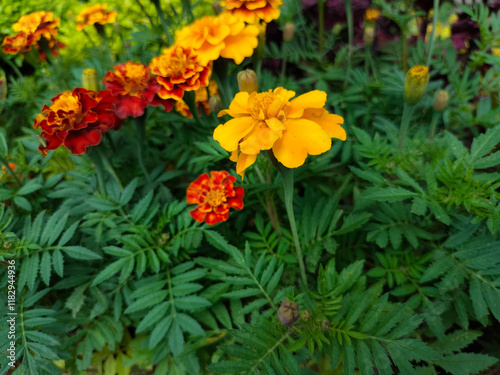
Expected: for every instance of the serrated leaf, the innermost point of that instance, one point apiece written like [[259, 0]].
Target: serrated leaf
[[81, 253], [141, 207], [45, 267], [466, 363], [109, 271], [128, 192], [160, 331], [23, 203]]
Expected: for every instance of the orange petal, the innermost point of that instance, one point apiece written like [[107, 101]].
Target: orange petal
[[230, 133], [312, 99]]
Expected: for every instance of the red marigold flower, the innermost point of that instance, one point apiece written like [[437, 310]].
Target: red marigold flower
[[178, 70], [95, 14], [76, 119], [21, 42], [214, 195], [134, 89]]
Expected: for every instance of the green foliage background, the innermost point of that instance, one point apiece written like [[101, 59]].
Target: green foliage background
[[401, 247]]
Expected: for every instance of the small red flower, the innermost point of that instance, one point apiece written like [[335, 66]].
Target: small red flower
[[76, 119], [214, 195], [134, 90]]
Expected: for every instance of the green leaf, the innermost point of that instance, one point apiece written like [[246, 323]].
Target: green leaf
[[146, 301], [389, 194], [191, 303], [176, 339], [45, 267], [81, 253], [160, 331], [456, 341], [483, 144], [109, 271], [217, 241], [128, 192], [190, 325], [58, 262], [140, 208], [68, 234], [29, 188], [466, 363], [353, 222], [478, 302], [226, 367], [23, 203]]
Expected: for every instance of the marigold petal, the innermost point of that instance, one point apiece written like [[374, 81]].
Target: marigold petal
[[329, 122], [244, 161], [239, 46], [238, 107], [260, 138], [230, 133], [77, 142], [213, 218], [302, 137], [198, 215], [312, 99]]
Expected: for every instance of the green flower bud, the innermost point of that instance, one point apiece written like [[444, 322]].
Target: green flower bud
[[441, 100], [215, 103], [89, 79], [247, 81], [368, 34], [415, 83], [288, 31], [288, 313]]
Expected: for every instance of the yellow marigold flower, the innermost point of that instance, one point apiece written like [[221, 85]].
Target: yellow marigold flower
[[178, 69], [292, 129], [223, 35], [415, 83], [95, 14], [252, 11], [371, 14]]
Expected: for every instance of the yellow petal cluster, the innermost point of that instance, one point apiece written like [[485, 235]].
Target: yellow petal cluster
[[252, 11], [97, 13], [292, 129], [214, 36]]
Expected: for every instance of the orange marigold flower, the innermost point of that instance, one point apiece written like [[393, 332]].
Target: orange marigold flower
[[31, 28], [269, 120], [252, 11], [222, 35], [214, 195], [134, 89], [95, 14], [12, 166], [76, 119], [201, 99], [178, 69]]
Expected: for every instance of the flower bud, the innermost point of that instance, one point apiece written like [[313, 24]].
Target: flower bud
[[371, 14], [288, 31], [89, 79], [326, 324], [217, 7], [3, 85], [368, 34], [288, 313], [305, 315], [415, 83], [441, 100], [247, 81], [215, 103]]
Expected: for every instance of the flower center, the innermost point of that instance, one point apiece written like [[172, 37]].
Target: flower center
[[261, 104], [134, 78], [66, 103], [216, 197]]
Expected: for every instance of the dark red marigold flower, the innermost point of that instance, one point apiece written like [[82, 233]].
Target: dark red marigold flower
[[134, 90], [214, 195], [76, 119]]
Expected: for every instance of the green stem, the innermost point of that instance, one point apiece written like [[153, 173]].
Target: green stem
[[321, 26], [220, 73], [190, 99], [433, 32], [350, 34], [371, 63], [146, 13], [163, 20], [434, 121], [287, 177], [94, 155], [405, 123], [405, 50], [107, 165], [140, 123], [10, 170], [14, 67], [284, 54]]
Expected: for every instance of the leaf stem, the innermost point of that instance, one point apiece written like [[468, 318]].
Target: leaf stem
[[140, 123], [433, 32]]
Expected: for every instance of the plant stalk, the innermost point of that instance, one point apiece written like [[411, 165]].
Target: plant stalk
[[433, 32], [140, 123], [9, 170], [405, 124]]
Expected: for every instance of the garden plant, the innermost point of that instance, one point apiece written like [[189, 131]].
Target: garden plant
[[250, 187]]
